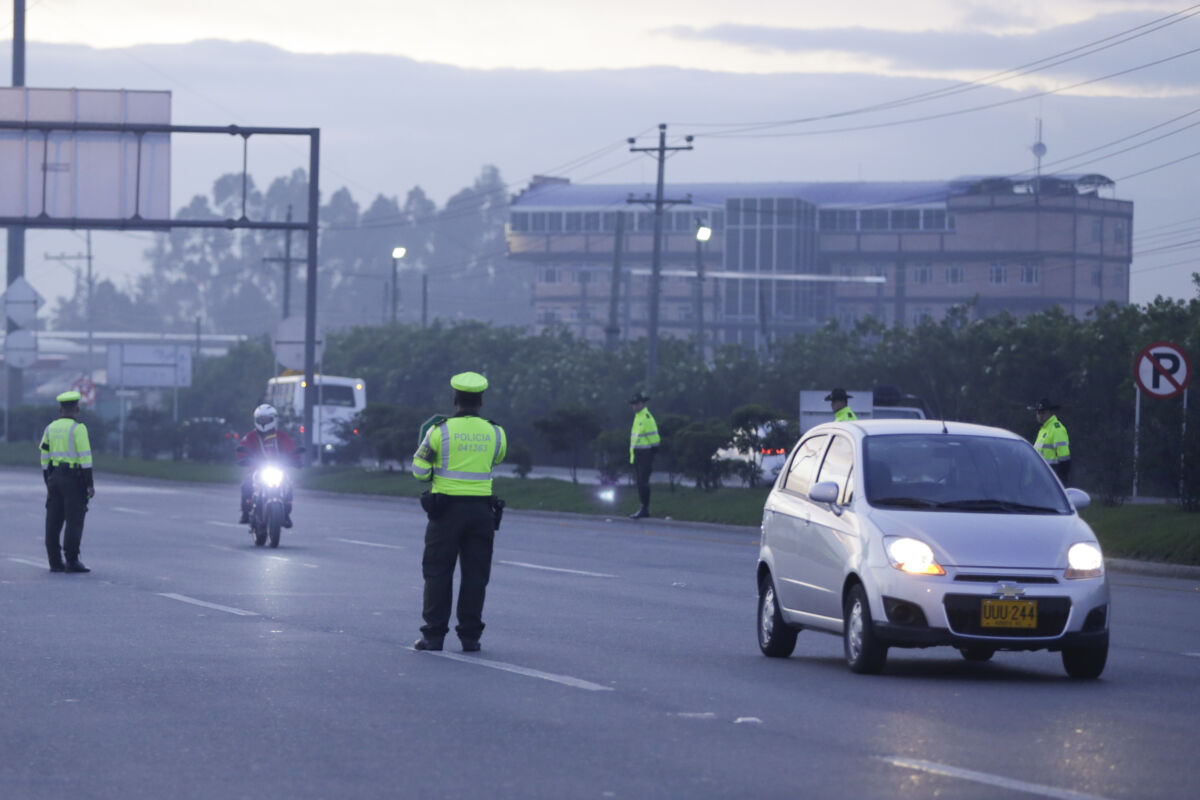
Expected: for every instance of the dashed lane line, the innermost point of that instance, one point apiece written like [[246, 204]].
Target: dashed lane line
[[368, 544], [988, 780], [559, 569], [183, 598], [223, 524], [565, 680], [127, 510], [30, 562]]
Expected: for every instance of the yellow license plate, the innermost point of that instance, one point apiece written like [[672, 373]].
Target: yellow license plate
[[1008, 614]]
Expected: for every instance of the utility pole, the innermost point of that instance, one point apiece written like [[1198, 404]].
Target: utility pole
[[660, 153], [287, 262], [91, 284], [703, 232], [612, 331]]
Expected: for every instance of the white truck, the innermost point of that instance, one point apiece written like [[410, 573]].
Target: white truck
[[814, 408]]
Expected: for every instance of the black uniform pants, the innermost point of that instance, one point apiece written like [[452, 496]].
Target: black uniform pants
[[643, 465], [464, 529], [66, 502]]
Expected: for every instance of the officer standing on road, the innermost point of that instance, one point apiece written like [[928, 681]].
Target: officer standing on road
[[839, 401], [643, 444], [457, 455], [1052, 441], [66, 455]]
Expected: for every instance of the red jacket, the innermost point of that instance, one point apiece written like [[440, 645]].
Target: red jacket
[[258, 447]]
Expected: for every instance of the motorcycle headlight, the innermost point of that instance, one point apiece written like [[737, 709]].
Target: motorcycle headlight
[[1084, 560], [912, 556], [271, 476]]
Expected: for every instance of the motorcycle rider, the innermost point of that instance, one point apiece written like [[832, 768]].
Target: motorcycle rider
[[265, 443]]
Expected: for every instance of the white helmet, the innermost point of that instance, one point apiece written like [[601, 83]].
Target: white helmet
[[265, 418]]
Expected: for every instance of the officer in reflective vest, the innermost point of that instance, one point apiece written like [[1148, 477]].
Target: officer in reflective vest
[[456, 456], [643, 444], [839, 401], [1052, 441], [66, 457]]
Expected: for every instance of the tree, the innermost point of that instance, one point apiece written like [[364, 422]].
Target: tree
[[752, 425], [696, 452], [569, 429]]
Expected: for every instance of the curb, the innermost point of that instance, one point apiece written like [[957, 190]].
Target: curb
[[1155, 568]]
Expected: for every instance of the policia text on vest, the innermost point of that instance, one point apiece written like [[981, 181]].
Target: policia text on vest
[[66, 456], [456, 456]]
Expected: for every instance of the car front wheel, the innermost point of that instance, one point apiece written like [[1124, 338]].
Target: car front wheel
[[776, 638], [864, 652], [1085, 662]]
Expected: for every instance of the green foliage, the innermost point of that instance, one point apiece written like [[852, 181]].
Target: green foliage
[[611, 449], [381, 431], [695, 452], [231, 386], [569, 429], [752, 424], [150, 432], [669, 426], [519, 456]]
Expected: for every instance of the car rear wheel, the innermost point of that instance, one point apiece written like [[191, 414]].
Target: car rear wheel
[[864, 652], [977, 653], [776, 638], [1085, 662]]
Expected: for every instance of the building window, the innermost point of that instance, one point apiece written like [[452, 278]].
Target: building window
[[955, 274], [548, 316], [1119, 232], [537, 222], [845, 270], [847, 317], [554, 222], [750, 212], [908, 219], [718, 220], [1097, 276], [1097, 230], [645, 221], [933, 219], [997, 274], [591, 220], [922, 273], [520, 221], [733, 207], [550, 275], [837, 219], [574, 221], [922, 314], [873, 219], [1031, 275]]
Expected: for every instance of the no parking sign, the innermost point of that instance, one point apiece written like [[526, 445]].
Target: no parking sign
[[1162, 370]]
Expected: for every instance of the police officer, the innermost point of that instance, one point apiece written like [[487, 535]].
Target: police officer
[[1052, 441], [643, 444], [457, 455], [67, 470], [839, 401]]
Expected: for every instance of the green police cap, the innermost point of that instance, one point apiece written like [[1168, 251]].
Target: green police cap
[[469, 382], [68, 397]]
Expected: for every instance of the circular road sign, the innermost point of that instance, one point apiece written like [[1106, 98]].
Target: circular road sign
[[87, 391], [1162, 370], [20, 349]]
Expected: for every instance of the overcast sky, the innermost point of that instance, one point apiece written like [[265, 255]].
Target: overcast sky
[[425, 93]]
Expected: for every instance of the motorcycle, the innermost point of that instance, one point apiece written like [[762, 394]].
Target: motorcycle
[[268, 503]]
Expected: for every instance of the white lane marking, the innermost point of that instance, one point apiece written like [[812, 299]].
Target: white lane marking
[[565, 680], [990, 780], [559, 569], [241, 612], [223, 524], [29, 562], [368, 544], [131, 510], [697, 714], [1193, 655]]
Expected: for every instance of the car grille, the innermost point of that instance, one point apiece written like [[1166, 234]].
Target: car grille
[[973, 578], [962, 612]]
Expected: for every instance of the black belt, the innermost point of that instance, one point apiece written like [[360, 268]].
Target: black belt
[[468, 498]]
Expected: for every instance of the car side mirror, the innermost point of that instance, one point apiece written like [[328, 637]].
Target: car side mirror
[[1079, 498], [825, 492]]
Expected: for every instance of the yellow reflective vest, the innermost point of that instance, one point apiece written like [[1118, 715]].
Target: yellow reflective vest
[[65, 443], [458, 454], [1052, 442], [644, 433], [844, 414]]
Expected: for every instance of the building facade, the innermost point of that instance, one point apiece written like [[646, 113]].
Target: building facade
[[785, 258]]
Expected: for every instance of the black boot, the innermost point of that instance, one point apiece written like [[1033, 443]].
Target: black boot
[[75, 565], [245, 520], [641, 513]]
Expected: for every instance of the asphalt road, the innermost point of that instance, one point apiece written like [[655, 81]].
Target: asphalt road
[[619, 661]]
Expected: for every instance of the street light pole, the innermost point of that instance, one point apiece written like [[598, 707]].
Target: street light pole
[[703, 234], [397, 254]]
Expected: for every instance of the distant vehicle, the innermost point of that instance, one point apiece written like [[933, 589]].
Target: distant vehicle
[[882, 402], [920, 533], [338, 400], [776, 439]]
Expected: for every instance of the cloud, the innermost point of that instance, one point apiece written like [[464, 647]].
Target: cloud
[[979, 51]]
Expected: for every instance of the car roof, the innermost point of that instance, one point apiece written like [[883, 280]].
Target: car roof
[[885, 427]]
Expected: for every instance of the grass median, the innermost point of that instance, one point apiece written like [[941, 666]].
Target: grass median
[[1149, 532]]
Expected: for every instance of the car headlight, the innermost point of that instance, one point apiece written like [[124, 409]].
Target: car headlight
[[1084, 560], [912, 556], [271, 476]]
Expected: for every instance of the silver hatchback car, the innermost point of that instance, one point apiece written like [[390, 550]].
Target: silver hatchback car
[[918, 533]]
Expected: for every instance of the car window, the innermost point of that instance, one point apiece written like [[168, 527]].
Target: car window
[[960, 473], [804, 464], [838, 464]]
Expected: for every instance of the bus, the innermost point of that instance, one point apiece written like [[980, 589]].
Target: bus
[[338, 400]]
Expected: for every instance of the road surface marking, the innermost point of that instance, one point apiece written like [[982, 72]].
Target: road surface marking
[[131, 510], [27, 561], [227, 609], [696, 714], [1193, 655], [368, 544], [990, 780], [559, 569], [223, 524], [565, 680]]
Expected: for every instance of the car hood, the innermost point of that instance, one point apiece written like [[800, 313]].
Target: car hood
[[1018, 541]]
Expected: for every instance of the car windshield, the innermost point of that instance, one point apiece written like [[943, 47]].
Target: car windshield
[[948, 472]]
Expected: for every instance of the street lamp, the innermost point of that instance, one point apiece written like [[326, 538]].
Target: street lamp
[[397, 254], [703, 234]]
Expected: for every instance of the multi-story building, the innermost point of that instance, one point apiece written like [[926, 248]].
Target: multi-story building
[[787, 257]]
